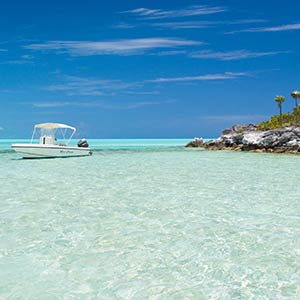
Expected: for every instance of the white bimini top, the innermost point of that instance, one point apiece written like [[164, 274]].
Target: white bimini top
[[53, 126]]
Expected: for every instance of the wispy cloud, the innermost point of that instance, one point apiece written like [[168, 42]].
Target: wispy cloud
[[188, 24], [202, 24], [52, 104], [243, 21], [3, 50], [287, 27], [101, 104], [171, 52], [16, 62], [24, 59], [119, 47], [142, 92], [195, 10], [123, 26], [1, 128], [233, 55], [206, 77], [234, 118], [184, 24], [80, 86], [27, 56]]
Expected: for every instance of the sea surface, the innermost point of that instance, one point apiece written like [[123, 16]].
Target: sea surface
[[149, 219]]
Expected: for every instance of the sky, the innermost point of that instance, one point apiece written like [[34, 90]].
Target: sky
[[146, 69]]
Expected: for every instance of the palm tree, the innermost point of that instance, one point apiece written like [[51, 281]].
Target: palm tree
[[296, 96], [280, 100]]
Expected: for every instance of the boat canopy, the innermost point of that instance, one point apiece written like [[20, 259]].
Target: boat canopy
[[49, 130], [53, 126]]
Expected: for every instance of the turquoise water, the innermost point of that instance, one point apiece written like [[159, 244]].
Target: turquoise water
[[117, 144], [149, 219]]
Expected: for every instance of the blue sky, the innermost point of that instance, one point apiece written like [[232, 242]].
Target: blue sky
[[153, 69]]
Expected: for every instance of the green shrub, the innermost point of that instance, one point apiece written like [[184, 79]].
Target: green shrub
[[288, 119]]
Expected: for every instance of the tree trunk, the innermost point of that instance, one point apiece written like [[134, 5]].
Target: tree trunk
[[280, 113], [296, 112]]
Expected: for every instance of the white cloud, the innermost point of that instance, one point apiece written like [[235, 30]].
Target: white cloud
[[27, 56], [195, 10], [243, 21], [52, 104], [123, 26], [235, 118], [16, 62], [80, 86], [1, 128], [137, 104], [188, 24], [233, 55], [287, 27], [101, 104], [143, 11], [172, 52], [206, 77], [119, 47], [202, 24], [24, 59], [184, 25], [142, 92]]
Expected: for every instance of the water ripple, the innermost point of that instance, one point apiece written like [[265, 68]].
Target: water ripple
[[151, 224]]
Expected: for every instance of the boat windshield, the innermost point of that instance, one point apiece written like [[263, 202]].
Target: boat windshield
[[48, 132]]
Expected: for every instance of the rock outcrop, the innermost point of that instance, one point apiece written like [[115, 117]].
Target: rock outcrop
[[195, 143], [248, 138]]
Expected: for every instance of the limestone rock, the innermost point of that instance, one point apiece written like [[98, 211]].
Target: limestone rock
[[196, 142], [246, 137]]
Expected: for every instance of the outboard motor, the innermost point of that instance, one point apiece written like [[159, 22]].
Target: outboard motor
[[83, 143]]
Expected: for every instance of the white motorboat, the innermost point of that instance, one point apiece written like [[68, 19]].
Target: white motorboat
[[49, 146]]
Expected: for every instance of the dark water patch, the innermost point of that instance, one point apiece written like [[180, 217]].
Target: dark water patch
[[141, 150]]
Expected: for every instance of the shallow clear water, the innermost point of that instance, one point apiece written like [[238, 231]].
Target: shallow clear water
[[150, 220]]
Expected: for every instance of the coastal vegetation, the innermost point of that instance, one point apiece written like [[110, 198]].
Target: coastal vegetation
[[280, 100], [280, 134], [283, 120]]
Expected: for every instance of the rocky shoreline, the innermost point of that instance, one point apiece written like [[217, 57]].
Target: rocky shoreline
[[246, 137]]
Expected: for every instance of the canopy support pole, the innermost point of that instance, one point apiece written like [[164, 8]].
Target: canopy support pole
[[71, 136], [33, 135]]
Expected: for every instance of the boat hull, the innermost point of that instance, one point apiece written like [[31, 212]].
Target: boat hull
[[49, 151]]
